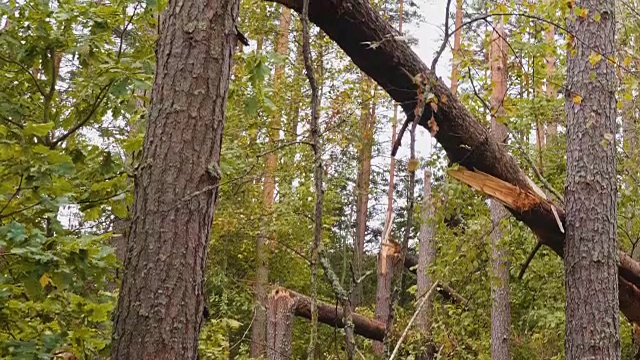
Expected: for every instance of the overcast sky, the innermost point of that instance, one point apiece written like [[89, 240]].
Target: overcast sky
[[429, 33]]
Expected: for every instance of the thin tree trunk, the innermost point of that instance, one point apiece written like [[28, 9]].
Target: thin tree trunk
[[385, 264], [367, 123], [426, 257], [591, 273], [500, 308], [456, 48], [551, 92], [161, 303], [258, 329], [411, 167], [317, 177]]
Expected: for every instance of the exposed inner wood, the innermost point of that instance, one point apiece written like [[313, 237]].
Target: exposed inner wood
[[355, 26]]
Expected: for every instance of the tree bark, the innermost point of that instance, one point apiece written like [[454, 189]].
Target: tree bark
[[388, 260], [592, 323], [161, 303], [500, 308], [280, 325], [455, 75], [332, 315], [551, 92], [258, 329], [392, 64], [426, 257], [367, 124]]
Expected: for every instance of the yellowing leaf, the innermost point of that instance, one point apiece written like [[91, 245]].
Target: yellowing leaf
[[577, 99], [594, 58], [412, 165], [583, 12], [597, 17], [45, 279]]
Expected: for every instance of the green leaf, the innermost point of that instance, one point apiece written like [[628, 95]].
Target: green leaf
[[15, 231], [38, 129]]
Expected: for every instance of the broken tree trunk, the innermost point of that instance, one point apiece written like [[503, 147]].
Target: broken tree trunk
[[354, 25], [333, 315], [280, 324]]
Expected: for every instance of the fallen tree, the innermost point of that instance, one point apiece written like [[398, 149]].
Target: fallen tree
[[330, 314], [378, 50]]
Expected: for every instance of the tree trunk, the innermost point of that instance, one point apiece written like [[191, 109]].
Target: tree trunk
[[455, 75], [551, 92], [258, 329], [161, 303], [367, 123], [385, 259], [426, 257], [392, 64], [591, 274], [281, 311], [500, 308], [332, 315]]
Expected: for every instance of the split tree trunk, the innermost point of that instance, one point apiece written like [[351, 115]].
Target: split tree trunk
[[426, 257], [161, 303], [591, 273], [258, 329], [393, 65], [280, 325], [500, 308], [386, 258]]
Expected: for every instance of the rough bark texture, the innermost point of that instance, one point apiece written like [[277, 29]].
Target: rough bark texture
[[456, 48], [258, 329], [426, 257], [161, 302], [388, 261], [392, 64], [592, 330], [280, 325], [500, 308], [367, 124], [334, 316]]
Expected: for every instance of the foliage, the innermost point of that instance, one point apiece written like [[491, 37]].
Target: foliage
[[76, 77]]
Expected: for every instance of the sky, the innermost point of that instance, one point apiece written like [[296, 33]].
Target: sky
[[429, 33]]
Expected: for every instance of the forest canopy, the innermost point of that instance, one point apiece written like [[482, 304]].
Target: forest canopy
[[289, 179]]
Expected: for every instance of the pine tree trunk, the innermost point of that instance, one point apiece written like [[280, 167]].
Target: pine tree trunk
[[281, 312], [362, 183], [551, 92], [500, 308], [426, 257], [455, 75], [161, 303], [258, 329], [591, 274]]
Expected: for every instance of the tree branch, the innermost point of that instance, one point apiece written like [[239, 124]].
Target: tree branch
[[101, 96]]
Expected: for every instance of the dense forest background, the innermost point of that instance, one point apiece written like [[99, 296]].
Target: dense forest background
[[76, 79]]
